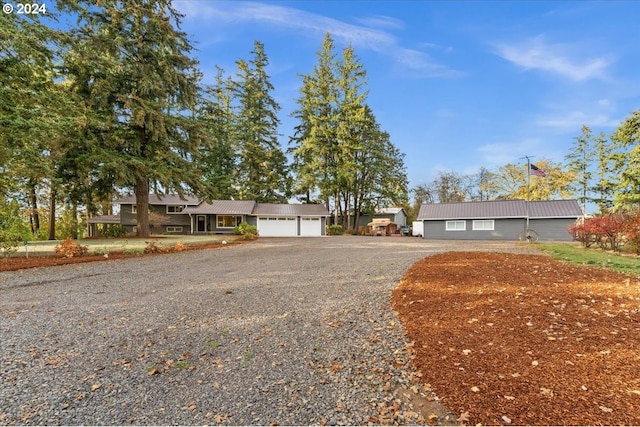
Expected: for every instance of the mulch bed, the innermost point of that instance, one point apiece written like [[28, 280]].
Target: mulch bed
[[524, 339], [21, 262]]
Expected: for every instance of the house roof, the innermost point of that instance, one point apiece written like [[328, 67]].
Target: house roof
[[500, 209], [161, 199], [277, 209], [390, 211], [222, 207], [104, 219]]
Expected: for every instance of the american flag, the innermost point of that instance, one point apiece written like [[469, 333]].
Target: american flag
[[537, 171]]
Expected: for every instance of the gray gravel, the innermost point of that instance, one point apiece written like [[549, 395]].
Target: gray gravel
[[282, 331]]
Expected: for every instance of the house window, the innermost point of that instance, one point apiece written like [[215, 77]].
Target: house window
[[134, 208], [174, 229], [456, 225], [174, 209], [483, 224], [229, 221]]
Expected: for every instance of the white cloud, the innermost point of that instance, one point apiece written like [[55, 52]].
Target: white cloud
[[382, 21], [314, 25], [574, 120], [559, 59]]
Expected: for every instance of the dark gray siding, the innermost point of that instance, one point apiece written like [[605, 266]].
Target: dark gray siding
[[128, 219], [553, 228], [504, 229]]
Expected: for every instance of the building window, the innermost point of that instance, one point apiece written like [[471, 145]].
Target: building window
[[174, 229], [456, 225], [483, 224], [228, 221], [134, 208], [174, 209]]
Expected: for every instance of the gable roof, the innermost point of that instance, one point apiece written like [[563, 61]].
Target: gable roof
[[394, 211], [500, 209], [222, 207], [160, 199], [277, 209]]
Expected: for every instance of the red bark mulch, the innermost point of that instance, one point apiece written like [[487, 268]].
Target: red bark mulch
[[524, 339]]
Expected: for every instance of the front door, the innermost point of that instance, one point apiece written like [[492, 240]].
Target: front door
[[201, 223]]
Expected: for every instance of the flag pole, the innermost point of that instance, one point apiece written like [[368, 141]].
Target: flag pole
[[528, 189]]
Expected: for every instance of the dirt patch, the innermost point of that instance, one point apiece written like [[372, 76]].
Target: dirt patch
[[523, 339], [21, 262]]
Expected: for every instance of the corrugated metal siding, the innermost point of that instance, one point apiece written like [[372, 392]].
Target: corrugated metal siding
[[555, 209], [504, 229], [500, 209], [478, 210]]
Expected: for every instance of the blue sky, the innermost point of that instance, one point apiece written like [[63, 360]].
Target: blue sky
[[457, 84]]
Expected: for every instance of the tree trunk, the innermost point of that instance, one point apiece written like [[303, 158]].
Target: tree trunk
[[74, 221], [34, 218], [52, 214], [142, 201]]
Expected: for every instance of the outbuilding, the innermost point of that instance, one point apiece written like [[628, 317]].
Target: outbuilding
[[499, 219]]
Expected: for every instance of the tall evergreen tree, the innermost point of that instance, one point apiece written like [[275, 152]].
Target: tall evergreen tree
[[339, 150], [134, 63], [314, 147], [262, 168], [605, 181], [627, 162], [579, 162], [219, 154], [350, 127]]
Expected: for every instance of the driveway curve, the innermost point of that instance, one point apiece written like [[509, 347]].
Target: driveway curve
[[278, 331]]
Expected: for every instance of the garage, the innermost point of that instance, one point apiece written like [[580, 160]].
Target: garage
[[311, 226], [283, 226]]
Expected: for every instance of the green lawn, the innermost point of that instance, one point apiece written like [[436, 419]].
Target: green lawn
[[594, 257], [46, 247]]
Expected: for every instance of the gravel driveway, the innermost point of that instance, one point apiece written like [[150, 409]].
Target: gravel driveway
[[286, 331]]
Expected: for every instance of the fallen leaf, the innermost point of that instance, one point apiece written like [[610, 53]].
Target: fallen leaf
[[510, 398], [546, 392], [506, 419], [192, 406], [534, 363], [475, 389], [95, 386], [605, 409], [464, 417]]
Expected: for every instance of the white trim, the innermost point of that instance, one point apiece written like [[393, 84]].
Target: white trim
[[237, 220], [453, 226], [134, 209], [483, 224], [174, 229], [182, 207]]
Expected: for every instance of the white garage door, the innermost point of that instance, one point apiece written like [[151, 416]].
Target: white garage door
[[310, 226], [277, 226]]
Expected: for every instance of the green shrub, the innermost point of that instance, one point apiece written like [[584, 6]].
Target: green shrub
[[247, 230], [133, 251], [335, 230], [115, 231], [9, 243]]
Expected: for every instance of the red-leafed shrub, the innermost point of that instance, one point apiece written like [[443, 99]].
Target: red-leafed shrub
[[610, 232]]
